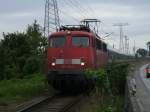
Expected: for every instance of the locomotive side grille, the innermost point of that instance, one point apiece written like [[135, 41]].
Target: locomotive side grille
[[76, 61], [59, 61]]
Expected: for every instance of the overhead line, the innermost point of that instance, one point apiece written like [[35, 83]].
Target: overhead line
[[65, 13], [85, 9], [75, 19], [78, 6], [74, 7]]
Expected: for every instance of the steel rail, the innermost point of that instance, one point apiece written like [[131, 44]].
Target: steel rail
[[58, 103]]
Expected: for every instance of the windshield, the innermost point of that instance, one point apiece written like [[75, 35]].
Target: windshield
[[57, 42], [80, 41]]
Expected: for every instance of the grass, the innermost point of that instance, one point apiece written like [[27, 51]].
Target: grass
[[104, 103], [109, 105], [15, 91]]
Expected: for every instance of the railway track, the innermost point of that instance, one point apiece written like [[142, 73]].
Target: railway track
[[58, 103]]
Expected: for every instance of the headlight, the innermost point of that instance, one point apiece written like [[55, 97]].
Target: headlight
[[53, 64], [82, 63]]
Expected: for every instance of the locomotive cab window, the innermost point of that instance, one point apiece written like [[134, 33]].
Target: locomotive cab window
[[57, 42], [80, 41]]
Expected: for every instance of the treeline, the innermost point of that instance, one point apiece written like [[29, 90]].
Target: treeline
[[22, 54]]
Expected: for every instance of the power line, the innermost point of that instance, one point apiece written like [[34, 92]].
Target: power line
[[102, 31], [65, 13], [75, 4], [87, 3], [71, 5], [86, 10], [52, 21]]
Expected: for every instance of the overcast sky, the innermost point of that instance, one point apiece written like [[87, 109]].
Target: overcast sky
[[15, 15]]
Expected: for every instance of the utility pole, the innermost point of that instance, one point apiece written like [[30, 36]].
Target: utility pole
[[51, 19], [126, 44], [121, 43]]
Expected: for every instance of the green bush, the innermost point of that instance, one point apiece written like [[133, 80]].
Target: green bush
[[110, 86], [108, 109], [101, 78], [32, 65], [117, 77], [114, 80], [10, 71]]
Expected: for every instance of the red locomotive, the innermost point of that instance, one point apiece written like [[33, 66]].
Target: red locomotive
[[71, 51]]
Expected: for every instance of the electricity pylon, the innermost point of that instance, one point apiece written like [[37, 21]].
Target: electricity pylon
[[126, 44], [51, 19], [121, 44]]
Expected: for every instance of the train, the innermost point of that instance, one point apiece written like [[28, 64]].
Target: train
[[115, 55], [71, 51]]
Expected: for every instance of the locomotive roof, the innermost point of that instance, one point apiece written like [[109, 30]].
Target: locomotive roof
[[85, 33], [76, 30], [72, 32]]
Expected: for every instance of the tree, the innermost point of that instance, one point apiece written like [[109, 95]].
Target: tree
[[20, 51], [1, 61], [141, 52], [37, 41], [13, 47]]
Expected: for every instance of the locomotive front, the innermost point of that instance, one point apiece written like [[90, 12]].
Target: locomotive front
[[69, 54]]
